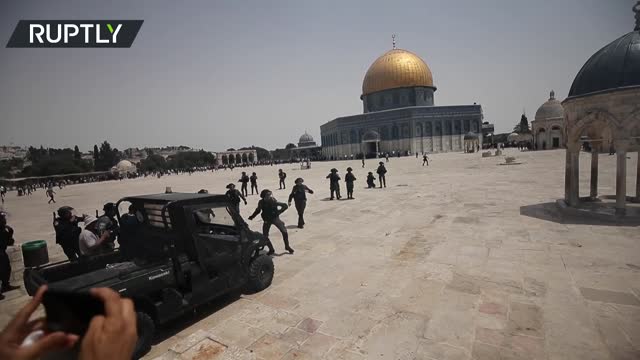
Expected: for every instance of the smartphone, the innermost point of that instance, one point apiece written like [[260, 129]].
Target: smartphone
[[70, 312]]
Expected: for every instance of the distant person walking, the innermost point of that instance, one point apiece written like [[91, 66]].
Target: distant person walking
[[349, 178], [244, 179], [382, 171], [3, 193], [298, 194], [334, 183], [271, 210], [425, 160], [363, 161], [50, 194], [282, 175], [386, 156], [234, 196], [254, 183]]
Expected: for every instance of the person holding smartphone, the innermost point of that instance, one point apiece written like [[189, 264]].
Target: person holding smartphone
[[25, 339]]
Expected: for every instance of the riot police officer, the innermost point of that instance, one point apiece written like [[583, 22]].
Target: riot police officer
[[68, 232]]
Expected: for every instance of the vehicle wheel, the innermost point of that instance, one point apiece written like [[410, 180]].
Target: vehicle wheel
[[146, 328], [260, 273]]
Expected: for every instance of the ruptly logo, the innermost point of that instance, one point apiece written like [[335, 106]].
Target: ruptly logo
[[74, 33]]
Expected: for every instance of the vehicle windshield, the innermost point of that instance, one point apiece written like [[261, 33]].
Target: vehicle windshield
[[214, 215]]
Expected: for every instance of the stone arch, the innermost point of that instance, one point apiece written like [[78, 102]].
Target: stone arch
[[252, 158], [418, 129], [245, 158], [238, 159], [225, 160], [593, 120]]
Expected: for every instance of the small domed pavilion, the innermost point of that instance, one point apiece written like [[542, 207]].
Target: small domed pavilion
[[603, 111]]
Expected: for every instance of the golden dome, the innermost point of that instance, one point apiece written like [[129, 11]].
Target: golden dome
[[395, 69]]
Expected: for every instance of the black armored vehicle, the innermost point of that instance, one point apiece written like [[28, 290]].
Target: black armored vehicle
[[177, 251]]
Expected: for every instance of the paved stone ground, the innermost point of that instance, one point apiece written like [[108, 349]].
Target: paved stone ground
[[464, 259]]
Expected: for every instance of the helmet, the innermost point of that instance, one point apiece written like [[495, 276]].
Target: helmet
[[109, 207], [265, 193], [64, 210], [349, 169]]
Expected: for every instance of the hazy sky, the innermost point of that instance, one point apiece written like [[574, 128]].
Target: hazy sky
[[218, 74]]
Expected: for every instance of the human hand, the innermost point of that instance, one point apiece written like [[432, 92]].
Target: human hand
[[116, 327], [245, 202], [20, 327]]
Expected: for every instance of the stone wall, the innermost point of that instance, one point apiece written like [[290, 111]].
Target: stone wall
[[398, 98], [414, 129]]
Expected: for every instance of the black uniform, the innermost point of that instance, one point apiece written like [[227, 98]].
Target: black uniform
[[6, 239], [299, 195], [381, 175], [234, 195], [371, 181], [254, 184], [268, 208], [244, 180], [425, 160], [349, 178], [334, 184], [282, 175], [67, 236]]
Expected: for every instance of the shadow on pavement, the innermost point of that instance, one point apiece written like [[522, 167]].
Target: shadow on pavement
[[165, 331], [552, 212]]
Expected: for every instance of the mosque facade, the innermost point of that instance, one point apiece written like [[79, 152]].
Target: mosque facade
[[548, 127], [399, 114]]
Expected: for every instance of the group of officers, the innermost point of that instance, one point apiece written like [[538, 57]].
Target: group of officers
[[270, 209], [98, 235]]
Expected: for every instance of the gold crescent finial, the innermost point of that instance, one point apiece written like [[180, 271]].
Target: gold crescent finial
[[393, 39]]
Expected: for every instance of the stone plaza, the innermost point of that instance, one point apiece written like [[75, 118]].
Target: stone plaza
[[461, 259]]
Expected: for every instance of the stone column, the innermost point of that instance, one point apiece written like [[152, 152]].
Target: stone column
[[594, 171], [638, 179], [453, 125], [621, 179], [572, 173]]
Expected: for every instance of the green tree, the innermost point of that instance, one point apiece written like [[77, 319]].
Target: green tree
[[290, 146], [106, 158], [76, 153], [153, 163], [523, 126]]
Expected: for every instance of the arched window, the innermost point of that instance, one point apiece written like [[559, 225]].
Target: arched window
[[447, 127], [354, 136], [419, 130], [406, 133], [395, 134], [384, 133], [427, 128], [396, 99]]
